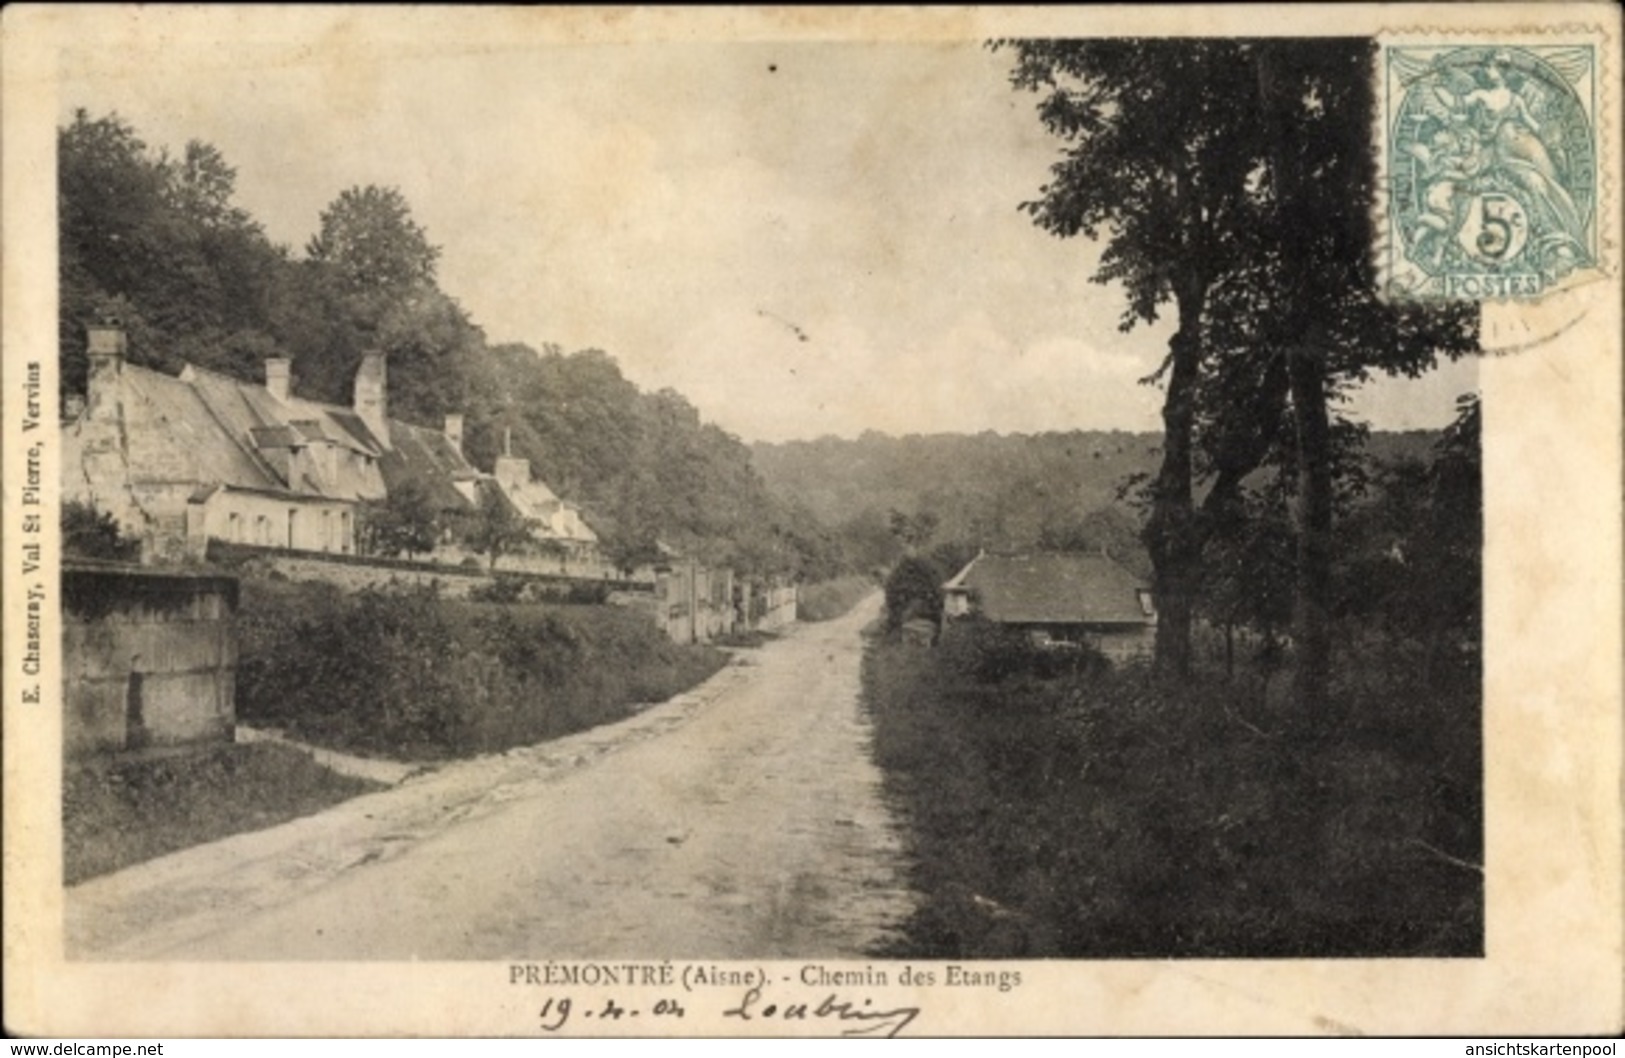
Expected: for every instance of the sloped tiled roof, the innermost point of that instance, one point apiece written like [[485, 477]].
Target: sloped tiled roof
[[243, 406], [198, 446], [355, 430], [429, 459], [1052, 588], [250, 411]]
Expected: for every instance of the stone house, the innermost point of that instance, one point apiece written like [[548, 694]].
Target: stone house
[[182, 460], [563, 540], [1058, 598]]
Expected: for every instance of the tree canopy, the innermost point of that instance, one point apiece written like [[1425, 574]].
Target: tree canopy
[[1233, 179]]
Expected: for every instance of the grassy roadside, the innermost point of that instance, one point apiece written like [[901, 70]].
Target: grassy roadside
[[119, 813], [411, 676], [830, 599], [1090, 816]]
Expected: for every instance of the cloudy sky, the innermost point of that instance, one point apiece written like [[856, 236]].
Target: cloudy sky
[[803, 238]]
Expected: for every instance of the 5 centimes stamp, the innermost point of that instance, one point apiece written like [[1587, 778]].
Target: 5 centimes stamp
[[1490, 155]]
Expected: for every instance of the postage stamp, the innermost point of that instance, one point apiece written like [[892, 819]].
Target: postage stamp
[[1490, 155]]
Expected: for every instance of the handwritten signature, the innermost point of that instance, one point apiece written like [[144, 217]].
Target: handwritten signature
[[869, 1021]]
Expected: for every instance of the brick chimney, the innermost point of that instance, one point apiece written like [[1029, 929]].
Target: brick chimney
[[372, 396], [278, 376], [454, 432], [105, 345]]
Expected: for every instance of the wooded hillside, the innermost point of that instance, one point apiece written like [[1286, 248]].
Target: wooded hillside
[[993, 490], [156, 240]]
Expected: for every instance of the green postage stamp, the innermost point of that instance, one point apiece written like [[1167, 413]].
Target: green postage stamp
[[1490, 168]]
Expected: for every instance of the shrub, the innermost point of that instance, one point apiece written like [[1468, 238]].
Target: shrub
[[913, 590], [581, 593], [988, 652], [503, 588], [410, 675], [89, 533]]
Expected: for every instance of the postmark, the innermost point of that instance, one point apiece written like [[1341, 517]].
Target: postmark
[[1490, 170]]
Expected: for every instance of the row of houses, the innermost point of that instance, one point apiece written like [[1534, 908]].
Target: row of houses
[[199, 458], [182, 460], [200, 464]]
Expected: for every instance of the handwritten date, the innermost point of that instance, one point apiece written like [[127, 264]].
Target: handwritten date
[[555, 1013]]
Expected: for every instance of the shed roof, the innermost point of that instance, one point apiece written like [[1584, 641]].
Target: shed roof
[[1052, 587]]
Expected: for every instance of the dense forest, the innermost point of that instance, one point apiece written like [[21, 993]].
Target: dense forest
[[157, 241]]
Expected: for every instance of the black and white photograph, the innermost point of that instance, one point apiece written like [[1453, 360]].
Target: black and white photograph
[[866, 524]]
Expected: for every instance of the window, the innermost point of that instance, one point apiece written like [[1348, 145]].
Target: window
[[293, 521], [262, 530], [327, 530], [346, 541], [234, 528]]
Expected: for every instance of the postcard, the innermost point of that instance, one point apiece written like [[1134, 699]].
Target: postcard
[[818, 522]]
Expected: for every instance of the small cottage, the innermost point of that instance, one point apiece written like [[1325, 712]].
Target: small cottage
[[1058, 598]]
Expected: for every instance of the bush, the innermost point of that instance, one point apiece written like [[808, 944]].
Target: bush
[[89, 533], [913, 590], [501, 589], [408, 675], [988, 652]]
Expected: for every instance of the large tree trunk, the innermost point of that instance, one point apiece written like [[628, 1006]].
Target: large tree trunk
[[1311, 630], [1170, 534], [1306, 368]]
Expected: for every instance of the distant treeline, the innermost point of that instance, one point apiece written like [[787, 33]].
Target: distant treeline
[[1073, 489]]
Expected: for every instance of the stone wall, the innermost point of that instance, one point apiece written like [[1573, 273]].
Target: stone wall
[[779, 608], [353, 572], [149, 659], [695, 602]]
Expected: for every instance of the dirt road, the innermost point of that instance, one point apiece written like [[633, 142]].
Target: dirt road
[[740, 820]]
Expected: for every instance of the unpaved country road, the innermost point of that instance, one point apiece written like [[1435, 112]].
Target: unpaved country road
[[741, 820]]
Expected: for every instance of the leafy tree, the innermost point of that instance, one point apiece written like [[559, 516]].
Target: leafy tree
[[404, 523], [200, 185], [1162, 144], [1412, 566], [494, 528], [913, 530], [159, 243], [370, 241], [913, 590], [1320, 102], [630, 552], [1232, 178]]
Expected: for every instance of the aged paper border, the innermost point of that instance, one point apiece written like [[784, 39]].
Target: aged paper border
[[1552, 454]]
